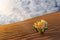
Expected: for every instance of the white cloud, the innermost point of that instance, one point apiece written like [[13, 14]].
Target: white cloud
[[18, 10]]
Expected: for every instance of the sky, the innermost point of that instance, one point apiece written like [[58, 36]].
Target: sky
[[19, 10]]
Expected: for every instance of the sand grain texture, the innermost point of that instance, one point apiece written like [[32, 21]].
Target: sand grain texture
[[24, 30]]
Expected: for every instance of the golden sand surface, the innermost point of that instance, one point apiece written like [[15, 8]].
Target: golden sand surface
[[24, 30]]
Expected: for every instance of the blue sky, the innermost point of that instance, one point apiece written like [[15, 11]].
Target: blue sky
[[19, 10]]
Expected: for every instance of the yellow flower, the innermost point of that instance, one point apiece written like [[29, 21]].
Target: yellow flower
[[38, 24], [35, 25]]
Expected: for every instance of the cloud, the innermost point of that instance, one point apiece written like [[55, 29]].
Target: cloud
[[19, 10]]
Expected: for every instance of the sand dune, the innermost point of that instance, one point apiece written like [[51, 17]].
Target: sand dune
[[25, 31]]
